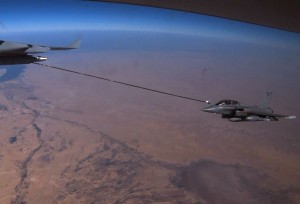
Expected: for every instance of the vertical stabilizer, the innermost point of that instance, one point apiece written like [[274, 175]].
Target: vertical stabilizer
[[266, 101]]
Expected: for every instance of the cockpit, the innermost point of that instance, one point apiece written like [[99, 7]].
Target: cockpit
[[227, 102]]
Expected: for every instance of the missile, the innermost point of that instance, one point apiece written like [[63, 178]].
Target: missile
[[291, 117]]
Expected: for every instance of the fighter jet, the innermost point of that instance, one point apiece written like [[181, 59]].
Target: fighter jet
[[234, 111], [20, 53]]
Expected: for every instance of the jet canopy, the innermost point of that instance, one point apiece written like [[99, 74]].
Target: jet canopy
[[227, 102]]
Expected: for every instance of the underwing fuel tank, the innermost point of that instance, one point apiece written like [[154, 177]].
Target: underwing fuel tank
[[253, 118], [235, 119], [248, 118], [20, 59]]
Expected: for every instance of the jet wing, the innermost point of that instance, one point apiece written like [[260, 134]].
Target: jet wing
[[273, 115], [13, 48]]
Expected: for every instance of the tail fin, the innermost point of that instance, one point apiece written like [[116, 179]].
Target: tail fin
[[266, 101], [75, 44]]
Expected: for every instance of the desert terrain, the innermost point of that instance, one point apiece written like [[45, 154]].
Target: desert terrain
[[71, 139]]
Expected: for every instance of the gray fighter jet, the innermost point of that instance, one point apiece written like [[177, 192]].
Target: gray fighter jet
[[20, 53], [236, 112]]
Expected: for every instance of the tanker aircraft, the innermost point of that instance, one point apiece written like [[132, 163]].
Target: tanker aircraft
[[21, 53]]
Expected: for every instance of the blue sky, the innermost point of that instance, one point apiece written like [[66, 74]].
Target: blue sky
[[76, 15]]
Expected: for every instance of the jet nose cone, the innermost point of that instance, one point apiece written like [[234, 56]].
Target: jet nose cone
[[208, 109]]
